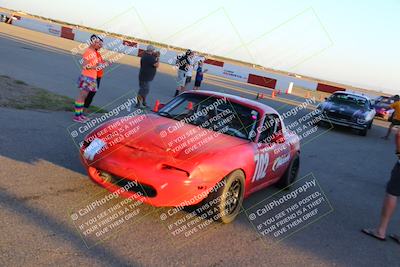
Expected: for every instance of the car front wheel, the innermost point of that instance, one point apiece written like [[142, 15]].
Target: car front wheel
[[226, 201], [363, 132]]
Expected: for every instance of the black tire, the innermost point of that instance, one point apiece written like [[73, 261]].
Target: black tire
[[231, 198], [290, 174], [363, 132]]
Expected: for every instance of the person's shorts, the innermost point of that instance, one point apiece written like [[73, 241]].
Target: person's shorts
[[393, 186], [144, 88], [197, 83], [87, 84], [188, 79], [395, 122], [181, 79]]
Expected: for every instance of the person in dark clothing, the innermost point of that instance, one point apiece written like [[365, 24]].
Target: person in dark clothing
[[148, 67], [199, 75]]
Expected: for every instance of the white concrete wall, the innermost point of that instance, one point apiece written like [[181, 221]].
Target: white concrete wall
[[283, 81], [38, 26], [229, 70], [235, 72]]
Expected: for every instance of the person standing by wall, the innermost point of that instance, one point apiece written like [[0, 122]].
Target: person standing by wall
[[100, 72], [390, 201], [396, 116], [183, 62], [199, 75], [87, 80], [189, 72], [148, 67]]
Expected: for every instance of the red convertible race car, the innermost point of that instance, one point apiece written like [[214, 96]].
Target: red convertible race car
[[201, 146]]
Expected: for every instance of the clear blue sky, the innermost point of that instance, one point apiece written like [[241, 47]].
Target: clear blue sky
[[352, 42]]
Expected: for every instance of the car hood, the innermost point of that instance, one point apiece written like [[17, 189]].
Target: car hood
[[167, 137], [344, 109]]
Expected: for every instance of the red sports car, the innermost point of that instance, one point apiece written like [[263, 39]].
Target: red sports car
[[201, 146]]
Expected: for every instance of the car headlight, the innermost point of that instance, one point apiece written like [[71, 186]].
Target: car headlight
[[361, 121]]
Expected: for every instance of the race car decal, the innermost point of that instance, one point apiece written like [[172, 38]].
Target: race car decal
[[262, 161], [280, 161]]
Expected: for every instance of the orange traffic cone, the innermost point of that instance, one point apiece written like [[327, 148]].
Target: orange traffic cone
[[156, 106], [273, 94]]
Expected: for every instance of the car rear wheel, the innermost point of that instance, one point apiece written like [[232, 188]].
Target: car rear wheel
[[227, 200], [290, 174]]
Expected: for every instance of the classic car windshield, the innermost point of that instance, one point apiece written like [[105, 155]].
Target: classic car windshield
[[214, 113], [348, 99]]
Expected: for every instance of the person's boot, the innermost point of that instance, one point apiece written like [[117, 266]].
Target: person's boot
[[144, 103], [176, 92], [138, 101]]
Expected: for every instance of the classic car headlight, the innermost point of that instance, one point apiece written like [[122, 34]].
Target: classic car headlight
[[361, 121]]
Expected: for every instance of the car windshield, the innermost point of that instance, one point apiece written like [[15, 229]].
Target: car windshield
[[348, 99], [385, 101], [212, 112]]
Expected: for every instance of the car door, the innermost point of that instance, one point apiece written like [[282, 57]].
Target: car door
[[272, 153]]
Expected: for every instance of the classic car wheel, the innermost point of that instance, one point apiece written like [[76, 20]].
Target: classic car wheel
[[290, 174], [363, 132], [228, 198]]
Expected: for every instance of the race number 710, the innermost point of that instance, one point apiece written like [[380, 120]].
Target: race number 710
[[262, 161]]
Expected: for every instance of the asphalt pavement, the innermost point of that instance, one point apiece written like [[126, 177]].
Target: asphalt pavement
[[42, 180]]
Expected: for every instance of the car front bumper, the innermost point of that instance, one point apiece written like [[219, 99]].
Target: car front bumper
[[152, 186], [346, 123]]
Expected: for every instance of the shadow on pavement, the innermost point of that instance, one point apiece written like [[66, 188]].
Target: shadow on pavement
[[64, 232]]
